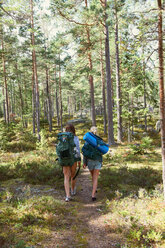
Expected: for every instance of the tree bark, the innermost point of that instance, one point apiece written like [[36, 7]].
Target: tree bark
[[60, 95], [103, 86], [57, 103], [93, 114], [109, 83], [161, 87], [33, 100], [5, 87], [118, 86], [20, 94], [35, 73], [48, 100]]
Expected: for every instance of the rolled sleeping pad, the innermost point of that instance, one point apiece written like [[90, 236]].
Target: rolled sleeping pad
[[97, 142]]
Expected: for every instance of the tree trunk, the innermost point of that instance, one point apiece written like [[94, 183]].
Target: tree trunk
[[75, 104], [57, 103], [60, 95], [103, 86], [5, 88], [25, 104], [33, 100], [20, 94], [118, 87], [12, 99], [68, 105], [161, 88], [109, 83], [144, 96], [48, 101], [93, 114], [35, 73]]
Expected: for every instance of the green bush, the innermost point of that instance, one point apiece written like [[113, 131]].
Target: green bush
[[15, 138], [139, 236], [43, 143], [143, 147], [19, 146], [6, 135], [38, 172]]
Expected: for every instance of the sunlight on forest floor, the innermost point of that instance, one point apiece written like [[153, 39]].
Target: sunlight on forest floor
[[31, 194]]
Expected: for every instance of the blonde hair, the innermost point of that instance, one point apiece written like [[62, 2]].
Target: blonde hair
[[93, 130]]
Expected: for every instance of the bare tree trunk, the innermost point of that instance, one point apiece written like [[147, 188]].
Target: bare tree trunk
[[12, 99], [48, 101], [35, 73], [5, 88], [109, 84], [144, 96], [57, 103], [60, 95], [20, 94], [25, 104], [75, 104], [93, 114], [161, 88], [68, 105], [33, 100], [80, 105], [118, 86], [103, 86], [4, 106]]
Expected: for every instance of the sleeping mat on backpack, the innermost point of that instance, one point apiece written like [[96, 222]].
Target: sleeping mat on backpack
[[96, 142]]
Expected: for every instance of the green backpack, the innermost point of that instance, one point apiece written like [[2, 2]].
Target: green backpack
[[65, 149]]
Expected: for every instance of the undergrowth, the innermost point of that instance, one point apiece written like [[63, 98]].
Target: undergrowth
[[131, 179]]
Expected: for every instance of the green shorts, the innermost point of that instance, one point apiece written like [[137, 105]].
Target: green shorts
[[94, 164]]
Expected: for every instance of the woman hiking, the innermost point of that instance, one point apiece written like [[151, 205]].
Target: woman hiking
[[94, 164], [70, 171]]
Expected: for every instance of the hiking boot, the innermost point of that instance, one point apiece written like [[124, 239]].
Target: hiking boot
[[93, 198], [67, 199], [73, 192]]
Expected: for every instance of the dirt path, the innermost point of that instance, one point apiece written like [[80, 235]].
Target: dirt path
[[88, 229]]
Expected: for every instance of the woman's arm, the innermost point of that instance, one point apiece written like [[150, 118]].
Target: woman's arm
[[77, 143]]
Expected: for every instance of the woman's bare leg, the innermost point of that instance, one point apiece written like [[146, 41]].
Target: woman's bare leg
[[67, 174], [73, 172], [95, 174]]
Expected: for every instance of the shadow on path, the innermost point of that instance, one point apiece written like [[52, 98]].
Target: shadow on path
[[91, 216]]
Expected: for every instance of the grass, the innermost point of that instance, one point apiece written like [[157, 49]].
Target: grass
[[32, 220], [32, 209], [134, 197]]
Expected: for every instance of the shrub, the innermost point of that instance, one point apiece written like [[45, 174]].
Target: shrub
[[43, 143], [146, 144], [38, 172], [139, 236]]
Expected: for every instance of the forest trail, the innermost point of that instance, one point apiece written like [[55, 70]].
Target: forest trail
[[88, 228]]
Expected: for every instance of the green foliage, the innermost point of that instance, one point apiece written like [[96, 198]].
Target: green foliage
[[143, 147], [43, 143], [15, 138], [22, 244], [6, 134], [32, 221], [129, 180], [38, 171], [141, 237]]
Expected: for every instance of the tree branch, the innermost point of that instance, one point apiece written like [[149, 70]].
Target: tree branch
[[73, 21]]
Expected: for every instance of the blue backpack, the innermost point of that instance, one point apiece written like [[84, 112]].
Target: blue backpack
[[65, 148]]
